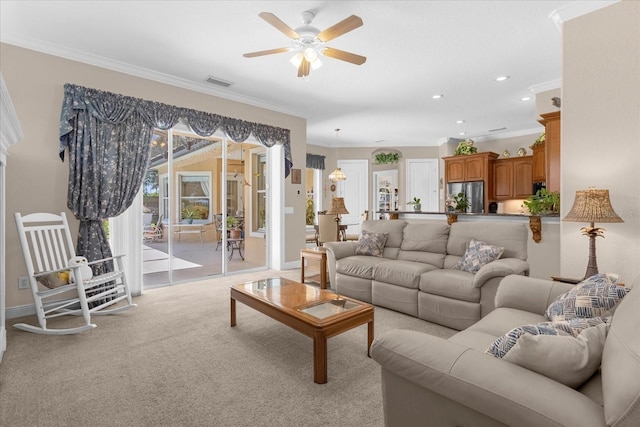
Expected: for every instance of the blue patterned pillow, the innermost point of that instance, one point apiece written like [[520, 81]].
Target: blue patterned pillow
[[477, 255], [501, 346], [371, 244], [592, 297]]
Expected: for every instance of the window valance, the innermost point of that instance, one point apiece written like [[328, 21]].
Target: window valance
[[315, 161], [116, 109]]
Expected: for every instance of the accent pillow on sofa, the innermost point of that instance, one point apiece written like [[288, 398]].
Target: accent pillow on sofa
[[594, 296], [565, 359], [371, 244], [503, 344], [477, 255]]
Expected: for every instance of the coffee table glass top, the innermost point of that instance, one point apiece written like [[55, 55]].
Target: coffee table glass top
[[330, 308]]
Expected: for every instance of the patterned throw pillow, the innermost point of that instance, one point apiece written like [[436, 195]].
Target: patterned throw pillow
[[478, 254], [502, 345], [371, 244], [592, 297]]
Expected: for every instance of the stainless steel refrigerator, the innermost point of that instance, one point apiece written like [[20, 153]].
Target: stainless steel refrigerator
[[474, 192]]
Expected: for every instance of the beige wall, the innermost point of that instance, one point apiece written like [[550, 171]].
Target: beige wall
[[601, 133], [37, 179]]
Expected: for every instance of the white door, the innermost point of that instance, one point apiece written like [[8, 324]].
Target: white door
[[355, 191], [422, 182]]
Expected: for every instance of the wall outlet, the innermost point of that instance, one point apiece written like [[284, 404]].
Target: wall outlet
[[23, 282]]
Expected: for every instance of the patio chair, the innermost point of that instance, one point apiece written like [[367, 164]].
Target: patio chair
[[61, 285], [153, 233]]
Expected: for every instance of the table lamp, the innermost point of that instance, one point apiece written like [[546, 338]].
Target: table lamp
[[592, 206], [337, 208]]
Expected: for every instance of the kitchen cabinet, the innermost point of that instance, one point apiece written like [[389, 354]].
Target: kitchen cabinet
[[474, 167], [513, 178], [539, 163], [469, 168], [551, 122]]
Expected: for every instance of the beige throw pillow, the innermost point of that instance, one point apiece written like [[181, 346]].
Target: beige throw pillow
[[563, 358]]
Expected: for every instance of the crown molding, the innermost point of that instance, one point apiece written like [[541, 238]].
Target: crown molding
[[121, 67], [576, 9], [546, 86]]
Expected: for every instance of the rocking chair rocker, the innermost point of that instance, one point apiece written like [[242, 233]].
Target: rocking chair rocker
[[49, 254]]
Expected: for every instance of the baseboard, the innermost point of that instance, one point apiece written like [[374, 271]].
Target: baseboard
[[20, 311], [292, 265]]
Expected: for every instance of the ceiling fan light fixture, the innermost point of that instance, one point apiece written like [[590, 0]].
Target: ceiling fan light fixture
[[310, 54], [296, 59]]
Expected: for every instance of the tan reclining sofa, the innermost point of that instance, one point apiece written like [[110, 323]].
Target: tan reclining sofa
[[414, 275]]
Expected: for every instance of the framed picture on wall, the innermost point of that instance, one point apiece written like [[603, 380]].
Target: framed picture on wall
[[296, 176]]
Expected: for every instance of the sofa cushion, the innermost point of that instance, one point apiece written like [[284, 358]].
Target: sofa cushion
[[394, 229], [425, 237], [400, 273], [357, 266], [592, 297], [503, 344], [477, 255], [371, 244], [511, 236], [566, 359], [451, 284]]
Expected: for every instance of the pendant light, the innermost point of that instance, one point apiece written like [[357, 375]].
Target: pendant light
[[337, 175]]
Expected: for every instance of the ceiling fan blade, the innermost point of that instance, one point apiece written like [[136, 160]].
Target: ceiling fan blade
[[344, 26], [344, 56], [279, 25], [304, 68], [266, 52]]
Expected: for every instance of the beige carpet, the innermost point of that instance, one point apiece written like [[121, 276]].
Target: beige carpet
[[174, 361]]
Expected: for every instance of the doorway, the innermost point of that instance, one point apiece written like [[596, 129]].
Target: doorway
[[197, 194]]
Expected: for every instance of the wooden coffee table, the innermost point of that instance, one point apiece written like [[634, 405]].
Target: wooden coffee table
[[317, 313]]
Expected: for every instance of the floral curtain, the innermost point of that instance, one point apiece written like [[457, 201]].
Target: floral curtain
[[315, 161], [108, 137]]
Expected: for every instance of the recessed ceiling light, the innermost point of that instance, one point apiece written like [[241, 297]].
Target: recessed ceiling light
[[502, 78], [462, 133], [437, 96], [526, 98], [459, 121]]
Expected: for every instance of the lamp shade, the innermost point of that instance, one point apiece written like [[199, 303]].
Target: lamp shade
[[337, 175], [592, 205], [337, 206]]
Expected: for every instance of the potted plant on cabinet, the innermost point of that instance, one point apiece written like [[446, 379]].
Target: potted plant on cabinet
[[460, 202], [416, 204], [543, 202]]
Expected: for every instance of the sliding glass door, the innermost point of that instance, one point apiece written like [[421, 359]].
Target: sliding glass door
[[196, 197]]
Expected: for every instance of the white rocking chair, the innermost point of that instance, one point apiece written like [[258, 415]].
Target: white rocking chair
[[47, 248]]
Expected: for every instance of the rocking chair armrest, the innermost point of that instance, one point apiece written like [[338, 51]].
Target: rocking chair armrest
[[115, 257]]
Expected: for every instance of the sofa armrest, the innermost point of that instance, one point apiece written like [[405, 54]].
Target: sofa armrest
[[528, 294], [341, 249], [488, 385], [500, 268]]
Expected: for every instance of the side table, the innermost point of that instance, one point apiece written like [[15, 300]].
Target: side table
[[319, 254]]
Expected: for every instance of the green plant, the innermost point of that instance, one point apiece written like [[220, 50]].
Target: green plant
[[415, 201], [465, 148], [188, 212], [543, 202], [232, 221], [460, 202], [311, 213], [539, 140], [387, 158]]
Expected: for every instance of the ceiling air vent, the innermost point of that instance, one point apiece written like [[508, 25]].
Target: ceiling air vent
[[499, 129], [216, 81]]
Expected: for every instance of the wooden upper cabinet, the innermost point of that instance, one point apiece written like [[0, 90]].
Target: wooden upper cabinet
[[474, 167], [551, 122], [539, 163], [513, 178]]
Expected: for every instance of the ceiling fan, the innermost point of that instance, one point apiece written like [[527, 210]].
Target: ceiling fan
[[308, 42]]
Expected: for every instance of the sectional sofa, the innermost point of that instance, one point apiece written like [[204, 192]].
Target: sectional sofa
[[415, 270]]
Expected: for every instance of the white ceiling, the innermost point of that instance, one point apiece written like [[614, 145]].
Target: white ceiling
[[414, 49]]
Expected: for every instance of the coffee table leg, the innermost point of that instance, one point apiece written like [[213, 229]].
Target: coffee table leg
[[302, 269], [320, 359], [232, 304], [369, 336]]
